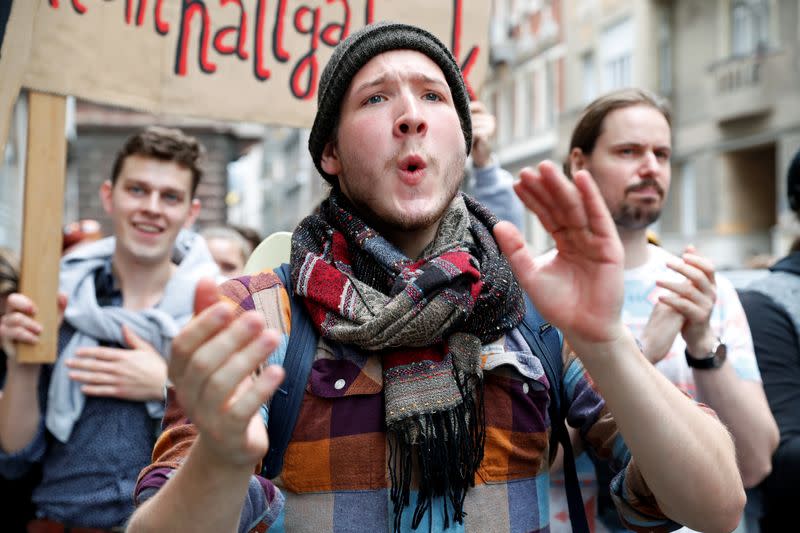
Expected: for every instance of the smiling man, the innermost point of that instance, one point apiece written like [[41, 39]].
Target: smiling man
[[91, 418], [688, 318], [425, 408]]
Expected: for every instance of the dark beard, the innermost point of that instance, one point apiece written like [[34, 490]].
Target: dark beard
[[635, 218]]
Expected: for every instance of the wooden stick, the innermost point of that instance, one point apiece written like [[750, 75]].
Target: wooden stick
[[45, 171]]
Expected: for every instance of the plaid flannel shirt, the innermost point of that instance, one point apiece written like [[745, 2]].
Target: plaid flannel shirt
[[335, 475]]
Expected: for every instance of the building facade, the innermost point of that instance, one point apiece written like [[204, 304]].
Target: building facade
[[525, 89], [731, 71], [736, 101]]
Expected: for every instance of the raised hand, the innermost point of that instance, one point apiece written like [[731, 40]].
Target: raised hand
[[483, 128], [693, 298], [580, 288], [659, 333], [214, 367], [19, 324], [138, 373]]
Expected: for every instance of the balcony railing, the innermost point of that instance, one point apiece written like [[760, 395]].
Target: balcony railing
[[741, 86]]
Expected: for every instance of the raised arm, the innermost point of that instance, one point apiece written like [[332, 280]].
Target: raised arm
[[739, 400], [489, 183], [213, 368], [20, 412], [580, 290]]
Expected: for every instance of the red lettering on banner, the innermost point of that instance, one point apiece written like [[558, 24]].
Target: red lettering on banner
[[140, 12], [455, 46], [241, 34], [455, 43], [79, 8], [259, 71], [277, 34], [344, 28], [188, 10], [162, 27], [466, 70], [369, 12], [308, 65], [329, 23]]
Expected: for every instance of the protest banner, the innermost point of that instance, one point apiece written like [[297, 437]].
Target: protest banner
[[256, 60], [237, 60]]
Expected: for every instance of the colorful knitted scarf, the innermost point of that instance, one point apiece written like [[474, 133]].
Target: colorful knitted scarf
[[428, 318]]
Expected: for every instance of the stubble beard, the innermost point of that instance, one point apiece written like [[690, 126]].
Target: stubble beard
[[364, 200]]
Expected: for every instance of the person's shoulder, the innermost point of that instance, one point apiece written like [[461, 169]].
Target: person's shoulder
[[244, 287], [262, 291]]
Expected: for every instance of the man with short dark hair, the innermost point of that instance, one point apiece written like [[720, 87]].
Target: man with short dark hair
[[425, 407], [91, 418]]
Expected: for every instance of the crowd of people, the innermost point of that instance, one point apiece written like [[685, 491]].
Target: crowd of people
[[387, 377]]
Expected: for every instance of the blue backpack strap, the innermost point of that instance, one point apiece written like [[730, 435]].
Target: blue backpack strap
[[285, 406], [546, 343]]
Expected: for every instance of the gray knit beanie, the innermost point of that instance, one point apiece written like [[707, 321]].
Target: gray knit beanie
[[354, 52]]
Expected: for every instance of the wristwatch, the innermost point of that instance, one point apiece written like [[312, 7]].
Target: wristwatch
[[713, 359]]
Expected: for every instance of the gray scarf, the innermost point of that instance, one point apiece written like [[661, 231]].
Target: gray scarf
[[94, 324]]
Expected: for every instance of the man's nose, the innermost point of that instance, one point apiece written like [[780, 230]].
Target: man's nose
[[650, 162], [153, 202], [411, 120]]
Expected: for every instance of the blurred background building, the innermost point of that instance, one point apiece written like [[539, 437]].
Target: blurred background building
[[730, 68]]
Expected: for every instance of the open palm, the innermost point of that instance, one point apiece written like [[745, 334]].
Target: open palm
[[579, 289]]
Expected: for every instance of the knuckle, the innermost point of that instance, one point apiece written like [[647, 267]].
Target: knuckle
[[178, 348], [199, 366], [216, 385]]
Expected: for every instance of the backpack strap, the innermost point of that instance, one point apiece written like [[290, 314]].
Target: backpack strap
[[285, 406], [546, 343]]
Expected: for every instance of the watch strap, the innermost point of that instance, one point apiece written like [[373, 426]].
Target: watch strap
[[703, 364]]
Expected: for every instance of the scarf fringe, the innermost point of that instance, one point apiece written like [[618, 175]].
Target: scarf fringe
[[448, 449]]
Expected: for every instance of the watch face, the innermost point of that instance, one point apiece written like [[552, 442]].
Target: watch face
[[720, 354]]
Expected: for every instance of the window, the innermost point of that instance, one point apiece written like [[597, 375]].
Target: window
[[521, 105], [588, 78], [664, 51], [550, 95], [749, 26], [616, 44], [505, 118]]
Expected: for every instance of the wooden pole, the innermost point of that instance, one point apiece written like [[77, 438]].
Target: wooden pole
[[45, 170]]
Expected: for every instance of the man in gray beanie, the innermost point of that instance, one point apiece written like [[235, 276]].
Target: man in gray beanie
[[424, 404]]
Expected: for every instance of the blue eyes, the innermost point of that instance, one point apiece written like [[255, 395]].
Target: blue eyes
[[378, 98], [170, 198]]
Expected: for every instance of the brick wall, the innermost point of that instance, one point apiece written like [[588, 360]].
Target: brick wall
[[101, 131]]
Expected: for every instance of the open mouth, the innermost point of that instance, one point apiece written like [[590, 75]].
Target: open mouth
[[412, 164], [148, 228]]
